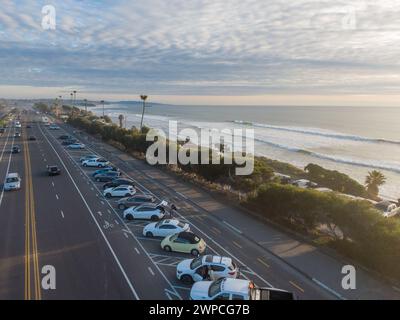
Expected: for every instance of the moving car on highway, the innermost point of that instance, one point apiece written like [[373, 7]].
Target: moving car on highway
[[16, 149], [165, 228], [193, 270], [107, 176], [134, 201], [17, 135], [117, 182], [54, 127], [148, 211], [76, 146], [12, 182], [236, 289], [53, 170], [186, 242], [96, 162], [121, 191]]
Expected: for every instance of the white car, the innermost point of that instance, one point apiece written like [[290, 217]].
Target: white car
[[148, 211], [192, 270], [76, 146], [165, 228], [88, 157], [236, 289], [120, 191], [12, 182], [96, 162]]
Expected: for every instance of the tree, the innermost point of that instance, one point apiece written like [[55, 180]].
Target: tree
[[144, 98], [121, 119], [373, 181]]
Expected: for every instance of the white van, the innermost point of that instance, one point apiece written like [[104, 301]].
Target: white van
[[12, 182]]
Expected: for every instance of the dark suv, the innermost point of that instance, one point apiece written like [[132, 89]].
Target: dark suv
[[135, 200], [53, 170], [107, 176]]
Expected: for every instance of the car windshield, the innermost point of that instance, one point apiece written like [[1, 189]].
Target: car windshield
[[159, 223], [215, 288], [181, 224], [196, 263], [53, 168], [10, 180]]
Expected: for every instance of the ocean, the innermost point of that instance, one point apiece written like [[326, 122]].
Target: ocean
[[352, 140]]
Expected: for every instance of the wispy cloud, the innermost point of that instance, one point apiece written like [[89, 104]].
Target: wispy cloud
[[236, 47]]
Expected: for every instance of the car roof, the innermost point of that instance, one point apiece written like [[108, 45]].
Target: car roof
[[174, 222], [187, 235], [12, 175], [124, 186], [235, 285], [217, 259]]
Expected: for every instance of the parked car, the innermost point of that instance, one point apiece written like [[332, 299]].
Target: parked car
[[388, 208], [121, 191], [148, 211], [186, 242], [76, 146], [16, 149], [193, 270], [17, 135], [88, 157], [53, 170], [65, 137], [107, 176], [54, 127], [69, 142], [32, 138], [165, 228], [97, 162], [28, 126], [12, 182], [103, 170], [236, 289], [304, 183], [134, 201], [2, 130], [117, 182]]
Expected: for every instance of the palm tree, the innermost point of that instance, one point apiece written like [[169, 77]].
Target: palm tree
[[373, 180], [120, 118], [144, 98]]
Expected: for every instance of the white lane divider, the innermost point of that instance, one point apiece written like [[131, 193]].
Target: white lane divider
[[62, 214], [151, 271], [137, 250], [57, 196]]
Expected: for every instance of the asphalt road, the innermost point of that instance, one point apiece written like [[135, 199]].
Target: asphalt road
[[65, 222]]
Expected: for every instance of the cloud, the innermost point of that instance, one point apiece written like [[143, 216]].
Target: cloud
[[205, 47]]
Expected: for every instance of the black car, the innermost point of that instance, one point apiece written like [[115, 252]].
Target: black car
[[16, 149], [53, 170], [28, 126], [65, 137], [118, 182], [107, 176], [68, 142], [2, 130], [32, 138]]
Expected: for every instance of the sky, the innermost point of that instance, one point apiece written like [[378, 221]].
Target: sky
[[299, 52]]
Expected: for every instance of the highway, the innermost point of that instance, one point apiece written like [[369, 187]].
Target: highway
[[64, 221]]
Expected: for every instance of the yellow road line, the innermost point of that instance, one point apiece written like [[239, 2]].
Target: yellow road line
[[296, 286], [30, 232], [263, 262]]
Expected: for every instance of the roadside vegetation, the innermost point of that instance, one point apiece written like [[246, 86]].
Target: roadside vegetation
[[354, 228]]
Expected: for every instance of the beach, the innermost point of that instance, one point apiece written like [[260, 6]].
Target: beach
[[352, 140]]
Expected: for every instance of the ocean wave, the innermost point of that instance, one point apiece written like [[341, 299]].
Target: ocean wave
[[356, 162], [318, 133]]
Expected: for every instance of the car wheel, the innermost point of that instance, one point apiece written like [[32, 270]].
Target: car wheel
[[127, 195], [129, 217], [154, 218], [121, 206], [149, 234], [97, 179], [167, 248], [187, 279], [194, 252], [108, 195], [99, 166], [85, 165]]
